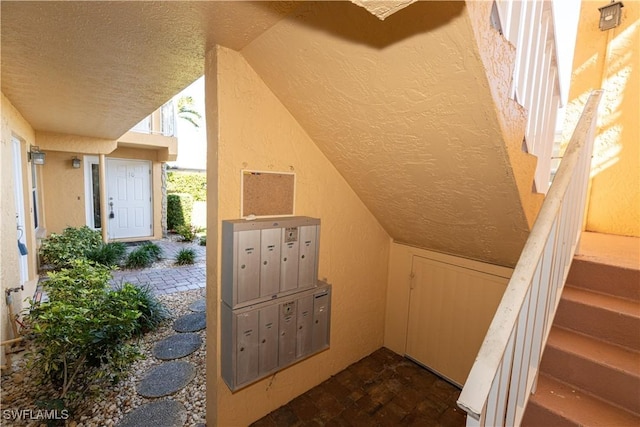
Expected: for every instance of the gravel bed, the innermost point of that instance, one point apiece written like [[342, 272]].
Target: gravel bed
[[19, 390]]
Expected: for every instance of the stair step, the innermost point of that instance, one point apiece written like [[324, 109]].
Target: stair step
[[604, 370], [558, 404], [605, 317], [619, 281]]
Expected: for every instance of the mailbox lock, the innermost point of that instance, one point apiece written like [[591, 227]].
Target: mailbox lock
[[242, 266], [264, 341], [241, 348], [265, 263], [285, 259], [302, 256]]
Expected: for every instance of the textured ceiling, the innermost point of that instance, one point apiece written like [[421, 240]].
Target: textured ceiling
[[96, 68], [403, 109]]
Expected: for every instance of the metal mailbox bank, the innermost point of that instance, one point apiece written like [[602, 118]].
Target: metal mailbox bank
[[275, 311]]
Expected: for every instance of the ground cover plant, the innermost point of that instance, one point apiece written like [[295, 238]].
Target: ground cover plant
[[186, 256], [60, 250], [81, 336], [143, 256]]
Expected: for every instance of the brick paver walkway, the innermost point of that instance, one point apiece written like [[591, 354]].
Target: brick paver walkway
[[169, 279]]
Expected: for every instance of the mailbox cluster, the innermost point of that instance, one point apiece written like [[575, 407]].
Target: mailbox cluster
[[275, 311]]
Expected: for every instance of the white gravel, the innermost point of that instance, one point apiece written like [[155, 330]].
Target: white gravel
[[19, 389]]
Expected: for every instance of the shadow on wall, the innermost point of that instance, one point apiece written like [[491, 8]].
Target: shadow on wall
[[367, 29]]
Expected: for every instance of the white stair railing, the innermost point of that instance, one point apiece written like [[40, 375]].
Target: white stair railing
[[529, 26], [505, 371]]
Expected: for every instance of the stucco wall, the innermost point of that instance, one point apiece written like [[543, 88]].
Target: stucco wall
[[13, 124], [609, 60], [64, 191], [254, 130]]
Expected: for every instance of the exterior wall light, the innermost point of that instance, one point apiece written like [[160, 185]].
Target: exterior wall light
[[36, 156], [610, 15], [75, 163]]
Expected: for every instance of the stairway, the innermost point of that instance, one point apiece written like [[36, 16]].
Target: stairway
[[590, 371]]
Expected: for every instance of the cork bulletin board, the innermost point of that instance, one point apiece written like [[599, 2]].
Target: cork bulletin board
[[267, 193]]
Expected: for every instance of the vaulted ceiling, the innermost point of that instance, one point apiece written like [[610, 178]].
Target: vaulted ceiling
[[401, 106]]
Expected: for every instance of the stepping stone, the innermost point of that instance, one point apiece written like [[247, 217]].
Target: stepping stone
[[161, 413], [177, 346], [190, 322], [166, 379], [199, 305]]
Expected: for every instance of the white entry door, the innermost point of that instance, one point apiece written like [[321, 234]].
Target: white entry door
[[129, 198], [450, 309]]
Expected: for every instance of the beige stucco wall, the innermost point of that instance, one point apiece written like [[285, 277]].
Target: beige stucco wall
[[254, 130], [14, 125], [64, 191], [609, 60]]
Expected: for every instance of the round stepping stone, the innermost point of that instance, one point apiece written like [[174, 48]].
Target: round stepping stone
[[166, 379], [199, 305], [177, 346], [190, 322], [161, 413]]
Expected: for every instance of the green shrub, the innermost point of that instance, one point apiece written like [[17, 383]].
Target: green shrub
[[138, 258], [179, 209], [203, 240], [187, 232], [143, 256], [188, 183], [59, 250], [155, 251], [108, 254], [142, 298], [80, 334], [186, 256]]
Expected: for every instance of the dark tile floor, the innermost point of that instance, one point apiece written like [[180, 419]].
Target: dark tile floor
[[383, 389]]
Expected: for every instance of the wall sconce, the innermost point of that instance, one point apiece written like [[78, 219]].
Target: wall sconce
[[75, 163], [610, 15], [36, 156]]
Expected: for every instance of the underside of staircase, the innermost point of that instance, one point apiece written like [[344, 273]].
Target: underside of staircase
[[590, 371]]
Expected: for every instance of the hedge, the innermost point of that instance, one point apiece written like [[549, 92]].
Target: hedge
[[188, 183], [179, 208]]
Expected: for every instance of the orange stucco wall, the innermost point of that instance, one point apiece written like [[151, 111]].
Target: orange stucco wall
[[248, 127], [14, 126], [609, 60]]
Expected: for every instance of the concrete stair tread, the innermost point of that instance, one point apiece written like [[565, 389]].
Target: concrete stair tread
[[581, 408], [604, 301], [619, 251], [601, 352]]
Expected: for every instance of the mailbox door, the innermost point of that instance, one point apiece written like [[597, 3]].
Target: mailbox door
[[248, 265], [287, 338], [304, 325], [307, 256], [268, 336], [270, 261], [247, 347], [321, 315], [289, 259]]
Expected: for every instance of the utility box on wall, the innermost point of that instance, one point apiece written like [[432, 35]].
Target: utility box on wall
[[275, 311]]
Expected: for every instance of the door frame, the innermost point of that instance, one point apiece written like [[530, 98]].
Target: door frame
[[107, 187], [21, 220]]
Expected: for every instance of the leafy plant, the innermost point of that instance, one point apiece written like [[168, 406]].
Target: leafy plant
[[80, 335], [142, 298], [203, 240], [186, 256], [143, 256], [187, 232], [193, 183], [108, 254], [60, 250]]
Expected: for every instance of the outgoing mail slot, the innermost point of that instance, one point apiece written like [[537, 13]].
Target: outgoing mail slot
[[321, 318], [248, 265]]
